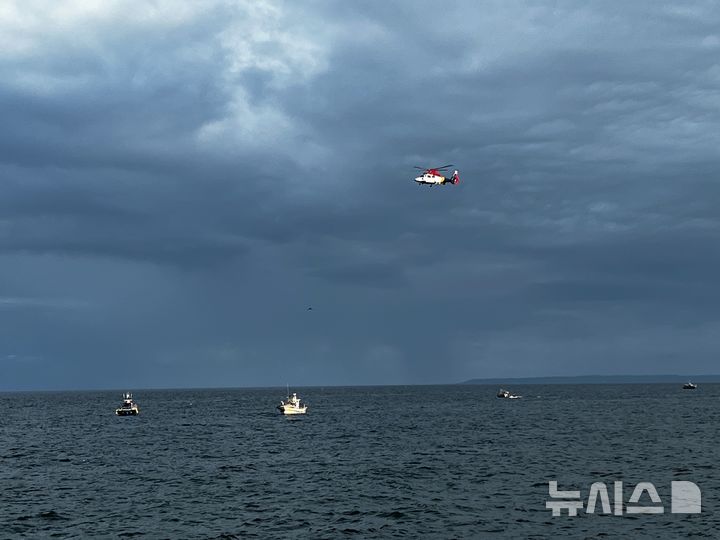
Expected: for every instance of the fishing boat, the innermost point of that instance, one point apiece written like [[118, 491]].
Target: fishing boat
[[506, 394], [689, 386], [128, 406], [292, 405]]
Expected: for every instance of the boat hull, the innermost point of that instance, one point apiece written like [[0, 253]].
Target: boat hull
[[127, 412], [292, 410]]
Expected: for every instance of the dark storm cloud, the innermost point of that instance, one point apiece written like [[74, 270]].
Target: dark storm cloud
[[199, 175]]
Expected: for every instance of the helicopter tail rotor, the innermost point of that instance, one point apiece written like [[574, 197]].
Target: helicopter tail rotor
[[455, 179]]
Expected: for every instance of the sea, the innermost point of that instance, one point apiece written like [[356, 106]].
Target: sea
[[365, 462]]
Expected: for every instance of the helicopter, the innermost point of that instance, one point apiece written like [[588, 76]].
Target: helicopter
[[433, 176]]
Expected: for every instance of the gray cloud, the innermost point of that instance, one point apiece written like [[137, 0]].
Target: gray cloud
[[199, 175]]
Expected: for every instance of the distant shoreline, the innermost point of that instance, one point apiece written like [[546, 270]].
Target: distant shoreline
[[494, 381], [599, 379]]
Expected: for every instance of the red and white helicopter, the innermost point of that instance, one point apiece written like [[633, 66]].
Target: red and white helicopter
[[433, 177]]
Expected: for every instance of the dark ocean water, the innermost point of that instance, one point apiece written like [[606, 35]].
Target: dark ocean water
[[366, 462]]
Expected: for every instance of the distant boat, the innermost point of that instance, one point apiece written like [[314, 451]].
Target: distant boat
[[128, 406], [506, 394], [292, 405], [689, 386]]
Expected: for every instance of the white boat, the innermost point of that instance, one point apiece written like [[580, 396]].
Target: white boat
[[292, 405], [128, 407], [689, 386], [506, 394]]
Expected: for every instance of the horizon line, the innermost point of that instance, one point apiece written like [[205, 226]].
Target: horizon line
[[473, 381]]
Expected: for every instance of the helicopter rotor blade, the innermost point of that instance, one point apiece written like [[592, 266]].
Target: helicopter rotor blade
[[433, 168]]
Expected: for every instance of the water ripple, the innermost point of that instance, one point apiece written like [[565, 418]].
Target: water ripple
[[386, 462]]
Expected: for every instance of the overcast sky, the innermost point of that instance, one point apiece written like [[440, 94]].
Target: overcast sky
[[180, 181]]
